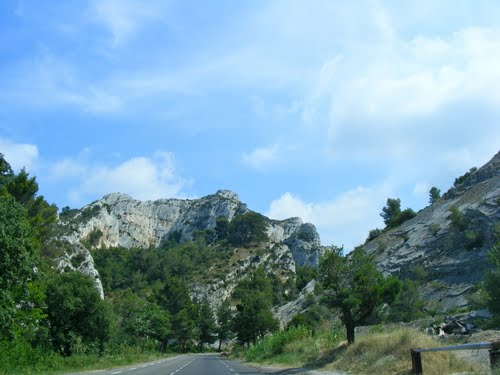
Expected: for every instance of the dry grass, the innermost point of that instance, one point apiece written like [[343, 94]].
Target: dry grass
[[389, 353]]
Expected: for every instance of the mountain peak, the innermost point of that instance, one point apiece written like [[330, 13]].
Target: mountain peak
[[228, 194]]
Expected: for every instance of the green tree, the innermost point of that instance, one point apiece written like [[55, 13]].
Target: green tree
[[24, 189], [408, 304], [351, 284], [248, 228], [205, 324], [304, 274], [434, 194], [222, 227], [175, 298], [224, 318], [391, 210], [253, 318], [17, 260], [392, 214], [75, 310], [141, 320]]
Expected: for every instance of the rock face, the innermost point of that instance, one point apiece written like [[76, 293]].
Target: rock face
[[123, 221], [77, 258], [117, 220], [450, 249]]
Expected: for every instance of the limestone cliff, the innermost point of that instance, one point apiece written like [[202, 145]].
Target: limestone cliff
[[118, 220]]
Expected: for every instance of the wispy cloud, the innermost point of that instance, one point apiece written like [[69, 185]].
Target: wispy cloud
[[345, 220], [262, 158], [19, 155]]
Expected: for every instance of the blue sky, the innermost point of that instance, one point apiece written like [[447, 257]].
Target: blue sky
[[317, 109]]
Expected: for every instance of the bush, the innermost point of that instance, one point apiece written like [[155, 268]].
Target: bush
[[473, 240], [274, 344], [434, 228], [374, 233], [458, 219]]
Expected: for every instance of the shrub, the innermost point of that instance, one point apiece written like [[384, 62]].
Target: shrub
[[274, 344], [374, 233], [434, 228], [458, 218], [473, 240]]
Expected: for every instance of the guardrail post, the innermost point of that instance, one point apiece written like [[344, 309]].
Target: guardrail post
[[416, 362], [495, 355]]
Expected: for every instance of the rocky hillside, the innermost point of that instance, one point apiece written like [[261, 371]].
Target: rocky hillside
[[117, 220], [447, 242]]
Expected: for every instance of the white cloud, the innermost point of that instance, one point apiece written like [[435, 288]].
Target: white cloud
[[145, 178], [19, 155], [346, 220], [420, 76], [261, 158]]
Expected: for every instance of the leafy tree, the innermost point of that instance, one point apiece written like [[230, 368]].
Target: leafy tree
[[17, 260], [222, 227], [141, 320], [75, 310], [205, 324], [408, 304], [248, 228], [392, 214], [391, 210], [224, 317], [434, 194], [175, 298], [24, 189], [6, 172], [254, 318], [304, 274], [352, 284]]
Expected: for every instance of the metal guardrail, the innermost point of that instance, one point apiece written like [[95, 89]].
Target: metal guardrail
[[494, 349]]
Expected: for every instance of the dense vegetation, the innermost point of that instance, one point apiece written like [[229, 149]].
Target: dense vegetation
[[52, 321]]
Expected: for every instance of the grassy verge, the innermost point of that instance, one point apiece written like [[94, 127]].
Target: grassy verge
[[20, 359], [385, 352]]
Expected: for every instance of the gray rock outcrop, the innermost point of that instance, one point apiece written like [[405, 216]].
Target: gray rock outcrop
[[450, 251]]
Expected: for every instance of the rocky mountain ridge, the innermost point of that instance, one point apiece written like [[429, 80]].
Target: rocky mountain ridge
[[118, 220], [447, 242]]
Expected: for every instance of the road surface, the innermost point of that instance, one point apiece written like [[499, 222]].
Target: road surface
[[205, 364]]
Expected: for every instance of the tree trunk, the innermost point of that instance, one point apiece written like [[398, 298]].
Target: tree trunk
[[349, 327], [220, 344]]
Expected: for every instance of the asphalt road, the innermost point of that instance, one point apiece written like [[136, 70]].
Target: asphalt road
[[185, 365]]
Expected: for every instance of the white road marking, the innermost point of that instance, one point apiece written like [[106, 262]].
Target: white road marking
[[118, 372], [180, 368]]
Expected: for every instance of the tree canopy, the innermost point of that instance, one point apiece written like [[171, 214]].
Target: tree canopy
[[254, 318], [392, 214], [352, 284]]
